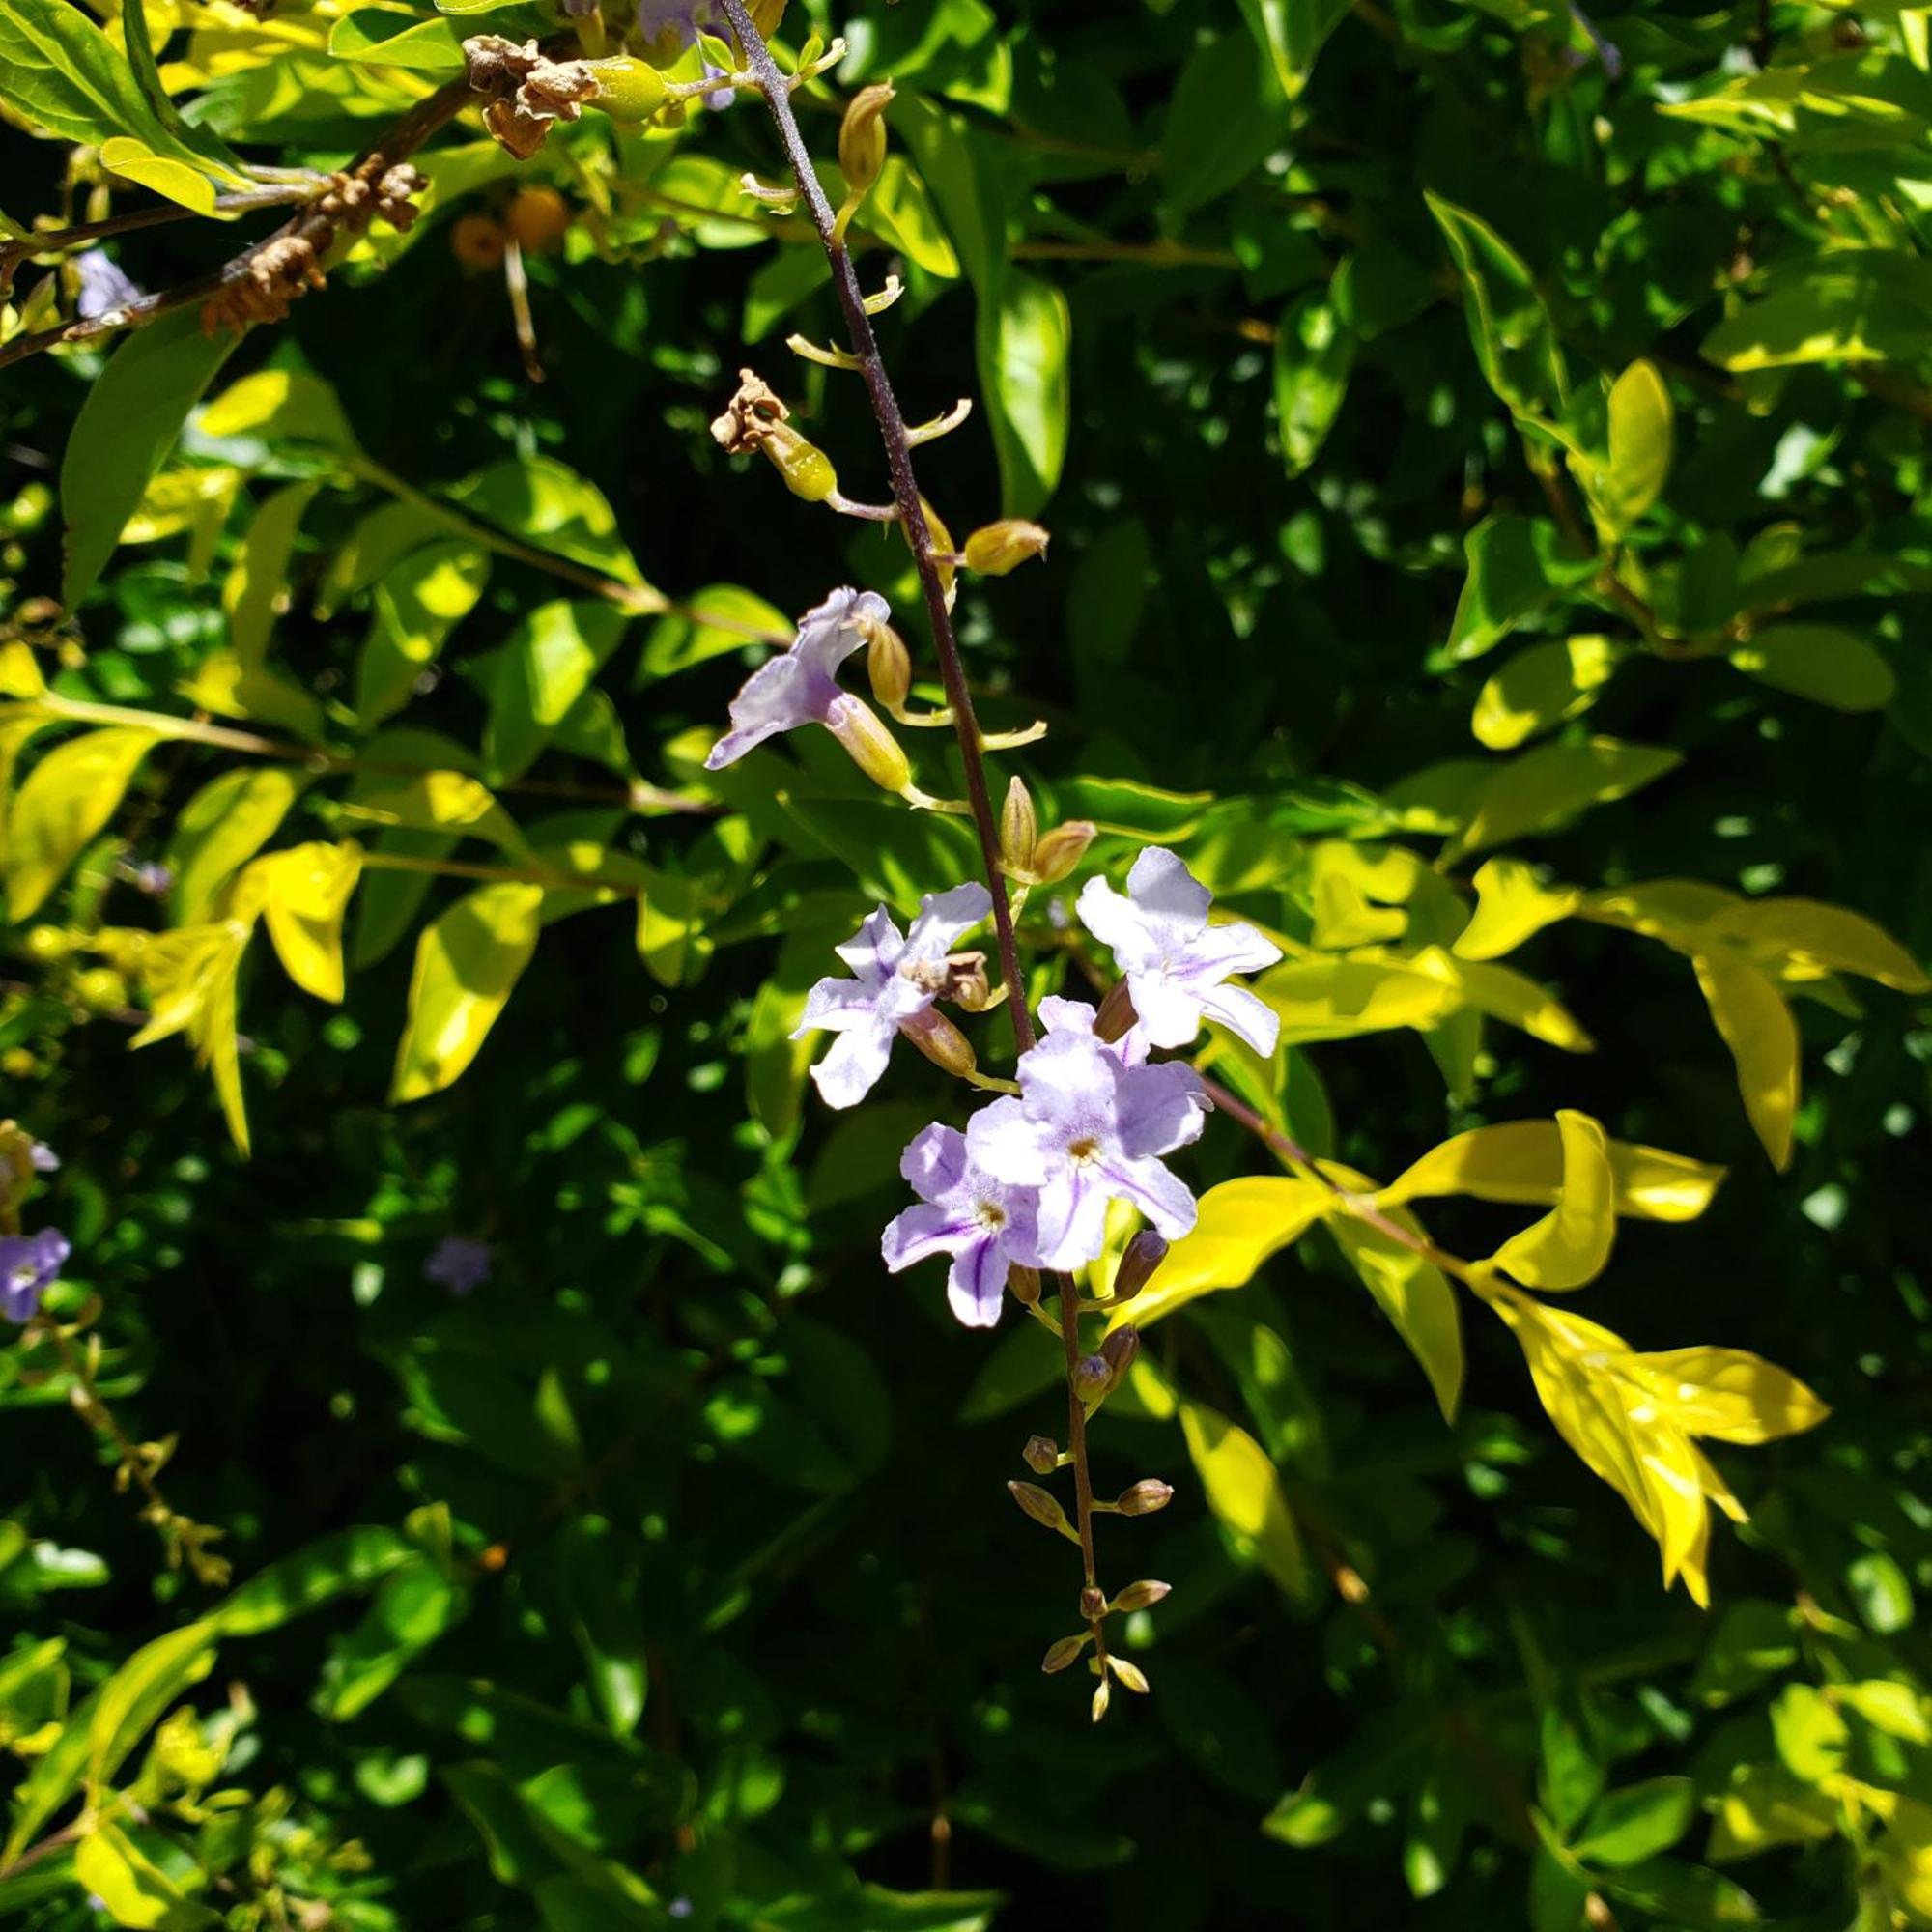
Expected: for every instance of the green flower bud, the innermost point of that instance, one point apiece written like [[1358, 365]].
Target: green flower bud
[[1064, 1653], [1042, 1508], [1042, 1455], [1062, 849], [1144, 1497], [995, 548], [869, 745], [888, 665], [1141, 1595], [1019, 829], [862, 138]]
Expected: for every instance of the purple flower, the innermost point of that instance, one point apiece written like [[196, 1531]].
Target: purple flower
[[895, 979], [152, 878], [104, 288], [1174, 963], [28, 1265], [461, 1264], [984, 1224], [667, 27], [800, 686], [44, 1158], [1090, 1127]]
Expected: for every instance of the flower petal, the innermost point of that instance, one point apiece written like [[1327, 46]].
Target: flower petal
[[1170, 1015], [829, 633], [1245, 1015], [935, 1162], [924, 1231], [1162, 887], [875, 950], [852, 1069], [1008, 1143], [1160, 1195], [1161, 1108], [975, 1284], [782, 694], [1072, 1217], [944, 916]]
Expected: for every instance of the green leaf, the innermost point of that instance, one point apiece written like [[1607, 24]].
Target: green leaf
[[66, 800], [1024, 342], [541, 672], [257, 589], [1513, 336], [1551, 784], [1291, 33], [1640, 446], [126, 426], [1851, 306], [280, 406], [419, 601], [548, 504], [1540, 688], [415, 1604], [332, 1566], [386, 38], [468, 964], [1819, 662], [712, 623], [221, 828], [1415, 1294], [1637, 1822], [1313, 353], [133, 1699], [131, 1888], [1225, 114], [1518, 567], [1243, 1489]]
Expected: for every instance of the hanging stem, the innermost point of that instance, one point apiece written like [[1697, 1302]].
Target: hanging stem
[[912, 518]]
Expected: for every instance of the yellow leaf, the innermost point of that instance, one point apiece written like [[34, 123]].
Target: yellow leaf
[[1554, 782], [437, 802], [1764, 1807], [1820, 939], [233, 688], [1504, 994], [1757, 1027], [183, 499], [136, 161], [1728, 1393], [66, 801], [1675, 911], [1244, 1491], [280, 403], [1572, 1243], [1539, 687], [1411, 1291], [1510, 906], [1905, 1854], [1241, 1224], [221, 828], [468, 961], [1640, 447], [670, 940], [1522, 1161], [308, 889], [20, 673], [1344, 880], [133, 1888], [189, 976], [1337, 999]]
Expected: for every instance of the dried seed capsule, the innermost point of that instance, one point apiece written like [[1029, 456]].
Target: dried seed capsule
[[1146, 1496], [1141, 1595]]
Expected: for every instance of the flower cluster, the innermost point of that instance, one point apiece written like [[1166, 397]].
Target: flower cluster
[[29, 1263]]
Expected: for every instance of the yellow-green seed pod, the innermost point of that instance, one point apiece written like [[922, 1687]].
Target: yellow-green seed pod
[[869, 745], [888, 665], [1019, 829], [995, 548], [807, 470], [627, 89], [862, 138], [941, 1041], [1062, 849]]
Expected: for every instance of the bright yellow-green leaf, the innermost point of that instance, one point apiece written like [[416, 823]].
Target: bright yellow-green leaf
[[195, 499], [1811, 936], [221, 828], [1539, 687], [1360, 898], [1513, 337], [134, 1891], [1241, 1224], [1244, 1491], [468, 961], [1640, 445], [1675, 911], [190, 978], [1889, 1705], [1821, 662], [1025, 340], [1905, 1853], [1553, 784], [132, 1700], [257, 589], [544, 667], [20, 675], [1337, 999], [437, 802], [419, 601], [1764, 1807], [1728, 1393], [1504, 994], [1510, 906], [233, 688], [66, 800], [135, 161], [671, 941], [1412, 1291], [1524, 1161], [901, 211], [1756, 1025], [305, 893], [281, 405], [1572, 1243]]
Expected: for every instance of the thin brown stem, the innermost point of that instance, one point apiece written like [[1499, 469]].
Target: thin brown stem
[[952, 670]]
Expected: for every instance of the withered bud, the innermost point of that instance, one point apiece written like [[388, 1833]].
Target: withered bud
[[966, 983], [1025, 1285], [862, 137], [868, 744], [941, 1041], [1132, 1676], [1117, 1016], [1145, 1253], [1093, 1602], [1042, 1455], [1067, 1650], [1141, 1595], [1093, 1377], [1019, 829], [532, 89], [1100, 1700], [1146, 1496], [1118, 1350], [756, 418], [995, 548], [1042, 1507], [1062, 849], [888, 664]]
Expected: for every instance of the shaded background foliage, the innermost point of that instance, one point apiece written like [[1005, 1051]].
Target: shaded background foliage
[[706, 1573]]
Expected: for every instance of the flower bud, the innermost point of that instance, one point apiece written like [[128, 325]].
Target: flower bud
[[1145, 1254], [868, 744], [995, 548], [888, 665], [1093, 1604], [1100, 1697], [1141, 1595], [941, 1041], [1117, 1352], [1042, 1508], [756, 418], [1131, 1675], [627, 89], [862, 137], [1146, 1496], [1062, 849], [1093, 1377], [807, 470], [1042, 1455], [1067, 1650], [1019, 829], [1025, 1285]]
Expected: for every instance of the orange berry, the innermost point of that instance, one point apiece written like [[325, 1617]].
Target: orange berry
[[537, 217], [477, 241]]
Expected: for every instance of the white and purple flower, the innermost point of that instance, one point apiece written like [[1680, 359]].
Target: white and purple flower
[[1175, 964], [985, 1225], [895, 977], [29, 1264], [459, 1263], [1090, 1126], [801, 685]]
